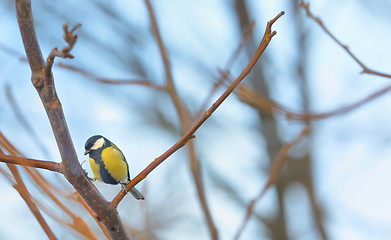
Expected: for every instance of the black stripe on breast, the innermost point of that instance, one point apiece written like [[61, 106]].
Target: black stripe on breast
[[104, 174]]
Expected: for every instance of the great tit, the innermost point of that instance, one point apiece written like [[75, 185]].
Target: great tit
[[108, 163]]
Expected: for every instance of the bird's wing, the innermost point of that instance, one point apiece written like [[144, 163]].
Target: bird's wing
[[123, 158]]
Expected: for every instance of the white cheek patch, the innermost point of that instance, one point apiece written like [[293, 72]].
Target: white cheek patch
[[98, 144]]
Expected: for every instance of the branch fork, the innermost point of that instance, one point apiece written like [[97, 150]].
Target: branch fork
[[70, 38]]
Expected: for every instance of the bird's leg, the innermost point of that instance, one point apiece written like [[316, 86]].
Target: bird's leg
[[123, 186]]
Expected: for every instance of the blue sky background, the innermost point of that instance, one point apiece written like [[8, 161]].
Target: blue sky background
[[350, 152]]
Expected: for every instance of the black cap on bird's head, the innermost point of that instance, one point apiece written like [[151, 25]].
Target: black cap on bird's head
[[93, 143]]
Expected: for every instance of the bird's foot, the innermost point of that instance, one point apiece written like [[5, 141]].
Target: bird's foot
[[123, 186]]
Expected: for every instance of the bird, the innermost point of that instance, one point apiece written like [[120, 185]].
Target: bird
[[108, 163]]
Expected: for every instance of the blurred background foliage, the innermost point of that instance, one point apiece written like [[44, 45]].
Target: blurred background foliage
[[333, 185]]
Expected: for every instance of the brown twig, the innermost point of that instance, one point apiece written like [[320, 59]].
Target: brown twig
[[110, 81], [276, 167], [70, 38], [19, 185], [24, 193], [264, 104], [77, 223], [89, 74], [48, 165], [190, 134], [365, 69]]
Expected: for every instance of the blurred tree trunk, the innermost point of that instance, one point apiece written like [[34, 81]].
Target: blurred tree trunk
[[299, 170], [266, 121]]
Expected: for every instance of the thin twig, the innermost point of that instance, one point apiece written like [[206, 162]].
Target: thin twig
[[77, 223], [70, 38], [19, 185], [190, 134], [365, 69], [24, 193], [276, 167], [108, 80], [48, 165], [262, 103], [89, 74], [14, 157]]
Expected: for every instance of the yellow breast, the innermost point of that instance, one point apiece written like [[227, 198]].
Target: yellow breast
[[111, 167], [115, 163], [95, 170]]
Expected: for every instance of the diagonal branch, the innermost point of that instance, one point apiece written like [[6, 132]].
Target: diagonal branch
[[25, 194], [42, 79], [365, 69], [21, 188], [190, 134]]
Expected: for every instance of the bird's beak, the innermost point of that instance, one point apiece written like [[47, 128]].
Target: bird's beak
[[86, 152]]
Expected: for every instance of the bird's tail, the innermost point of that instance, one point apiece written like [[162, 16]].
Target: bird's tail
[[136, 194]]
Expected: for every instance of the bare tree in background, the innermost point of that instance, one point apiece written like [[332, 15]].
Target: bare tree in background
[[167, 101]]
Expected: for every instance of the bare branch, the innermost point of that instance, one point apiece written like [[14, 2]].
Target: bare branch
[[262, 103], [24, 193], [365, 69], [48, 165], [76, 223], [43, 81], [70, 38], [19, 185], [190, 134], [110, 81]]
